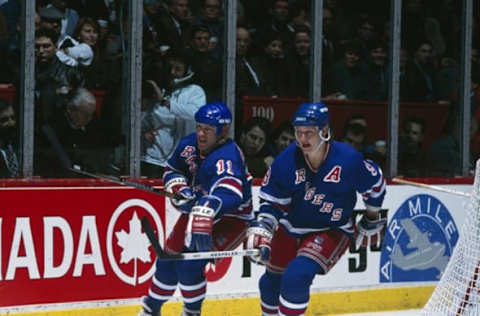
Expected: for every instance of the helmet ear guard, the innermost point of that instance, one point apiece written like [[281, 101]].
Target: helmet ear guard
[[216, 114]]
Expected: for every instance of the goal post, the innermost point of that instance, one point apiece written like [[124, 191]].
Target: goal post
[[458, 291]]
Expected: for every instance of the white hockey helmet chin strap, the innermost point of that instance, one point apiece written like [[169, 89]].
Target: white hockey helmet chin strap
[[323, 139]]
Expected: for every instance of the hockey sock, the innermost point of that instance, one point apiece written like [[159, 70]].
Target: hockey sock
[[192, 283], [295, 289], [164, 283], [269, 291]]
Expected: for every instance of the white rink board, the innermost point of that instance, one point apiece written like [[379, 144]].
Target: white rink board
[[234, 285]]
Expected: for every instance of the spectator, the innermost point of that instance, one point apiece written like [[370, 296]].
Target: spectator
[[53, 79], [51, 18], [329, 50], [252, 141], [171, 114], [298, 64], [365, 32], [271, 66], [82, 138], [9, 163], [207, 68], [96, 74], [411, 155], [210, 16], [443, 155], [377, 71], [420, 74], [281, 137], [417, 26], [277, 23], [248, 81], [69, 17], [173, 26], [355, 134], [300, 15], [348, 78]]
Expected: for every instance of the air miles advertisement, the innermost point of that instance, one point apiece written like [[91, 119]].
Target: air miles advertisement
[[90, 240]]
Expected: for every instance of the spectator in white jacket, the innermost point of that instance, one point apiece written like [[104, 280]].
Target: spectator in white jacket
[[171, 116]]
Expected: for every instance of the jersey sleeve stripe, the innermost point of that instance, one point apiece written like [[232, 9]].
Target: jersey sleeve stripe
[[377, 190], [229, 183], [273, 199]]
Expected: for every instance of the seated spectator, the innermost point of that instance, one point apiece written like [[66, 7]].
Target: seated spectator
[[247, 79], [9, 163], [377, 71], [210, 16], [420, 74], [355, 134], [207, 68], [252, 142], [411, 155], [172, 26], [443, 158], [277, 23], [348, 78], [271, 66], [298, 64], [281, 137], [73, 137], [169, 114]]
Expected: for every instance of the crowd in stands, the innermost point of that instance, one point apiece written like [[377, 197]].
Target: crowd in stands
[[80, 45]]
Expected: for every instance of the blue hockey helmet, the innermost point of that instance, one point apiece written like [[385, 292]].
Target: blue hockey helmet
[[311, 114], [215, 114]]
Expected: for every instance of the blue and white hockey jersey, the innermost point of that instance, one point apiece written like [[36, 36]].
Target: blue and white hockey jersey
[[222, 174], [305, 201]]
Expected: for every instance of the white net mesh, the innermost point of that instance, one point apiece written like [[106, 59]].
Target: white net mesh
[[458, 291]]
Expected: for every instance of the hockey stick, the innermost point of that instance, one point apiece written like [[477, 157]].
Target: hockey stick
[[125, 182], [431, 187], [162, 256]]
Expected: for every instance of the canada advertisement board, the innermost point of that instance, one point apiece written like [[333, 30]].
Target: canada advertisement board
[[90, 241]]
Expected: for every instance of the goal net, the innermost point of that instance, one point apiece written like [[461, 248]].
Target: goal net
[[458, 291]]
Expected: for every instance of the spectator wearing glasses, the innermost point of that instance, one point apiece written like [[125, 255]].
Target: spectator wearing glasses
[[9, 163]]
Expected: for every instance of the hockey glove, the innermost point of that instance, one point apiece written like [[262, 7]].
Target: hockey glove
[[198, 235], [259, 235], [369, 232], [187, 197]]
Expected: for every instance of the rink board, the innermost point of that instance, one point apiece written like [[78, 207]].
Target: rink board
[[69, 249]]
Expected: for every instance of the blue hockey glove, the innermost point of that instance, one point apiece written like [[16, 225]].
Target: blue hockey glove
[[369, 232], [187, 198], [259, 235], [198, 235]]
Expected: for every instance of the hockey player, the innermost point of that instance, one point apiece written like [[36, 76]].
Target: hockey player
[[209, 171], [306, 203]]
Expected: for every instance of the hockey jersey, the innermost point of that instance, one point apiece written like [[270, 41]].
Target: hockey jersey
[[222, 174], [305, 201]]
